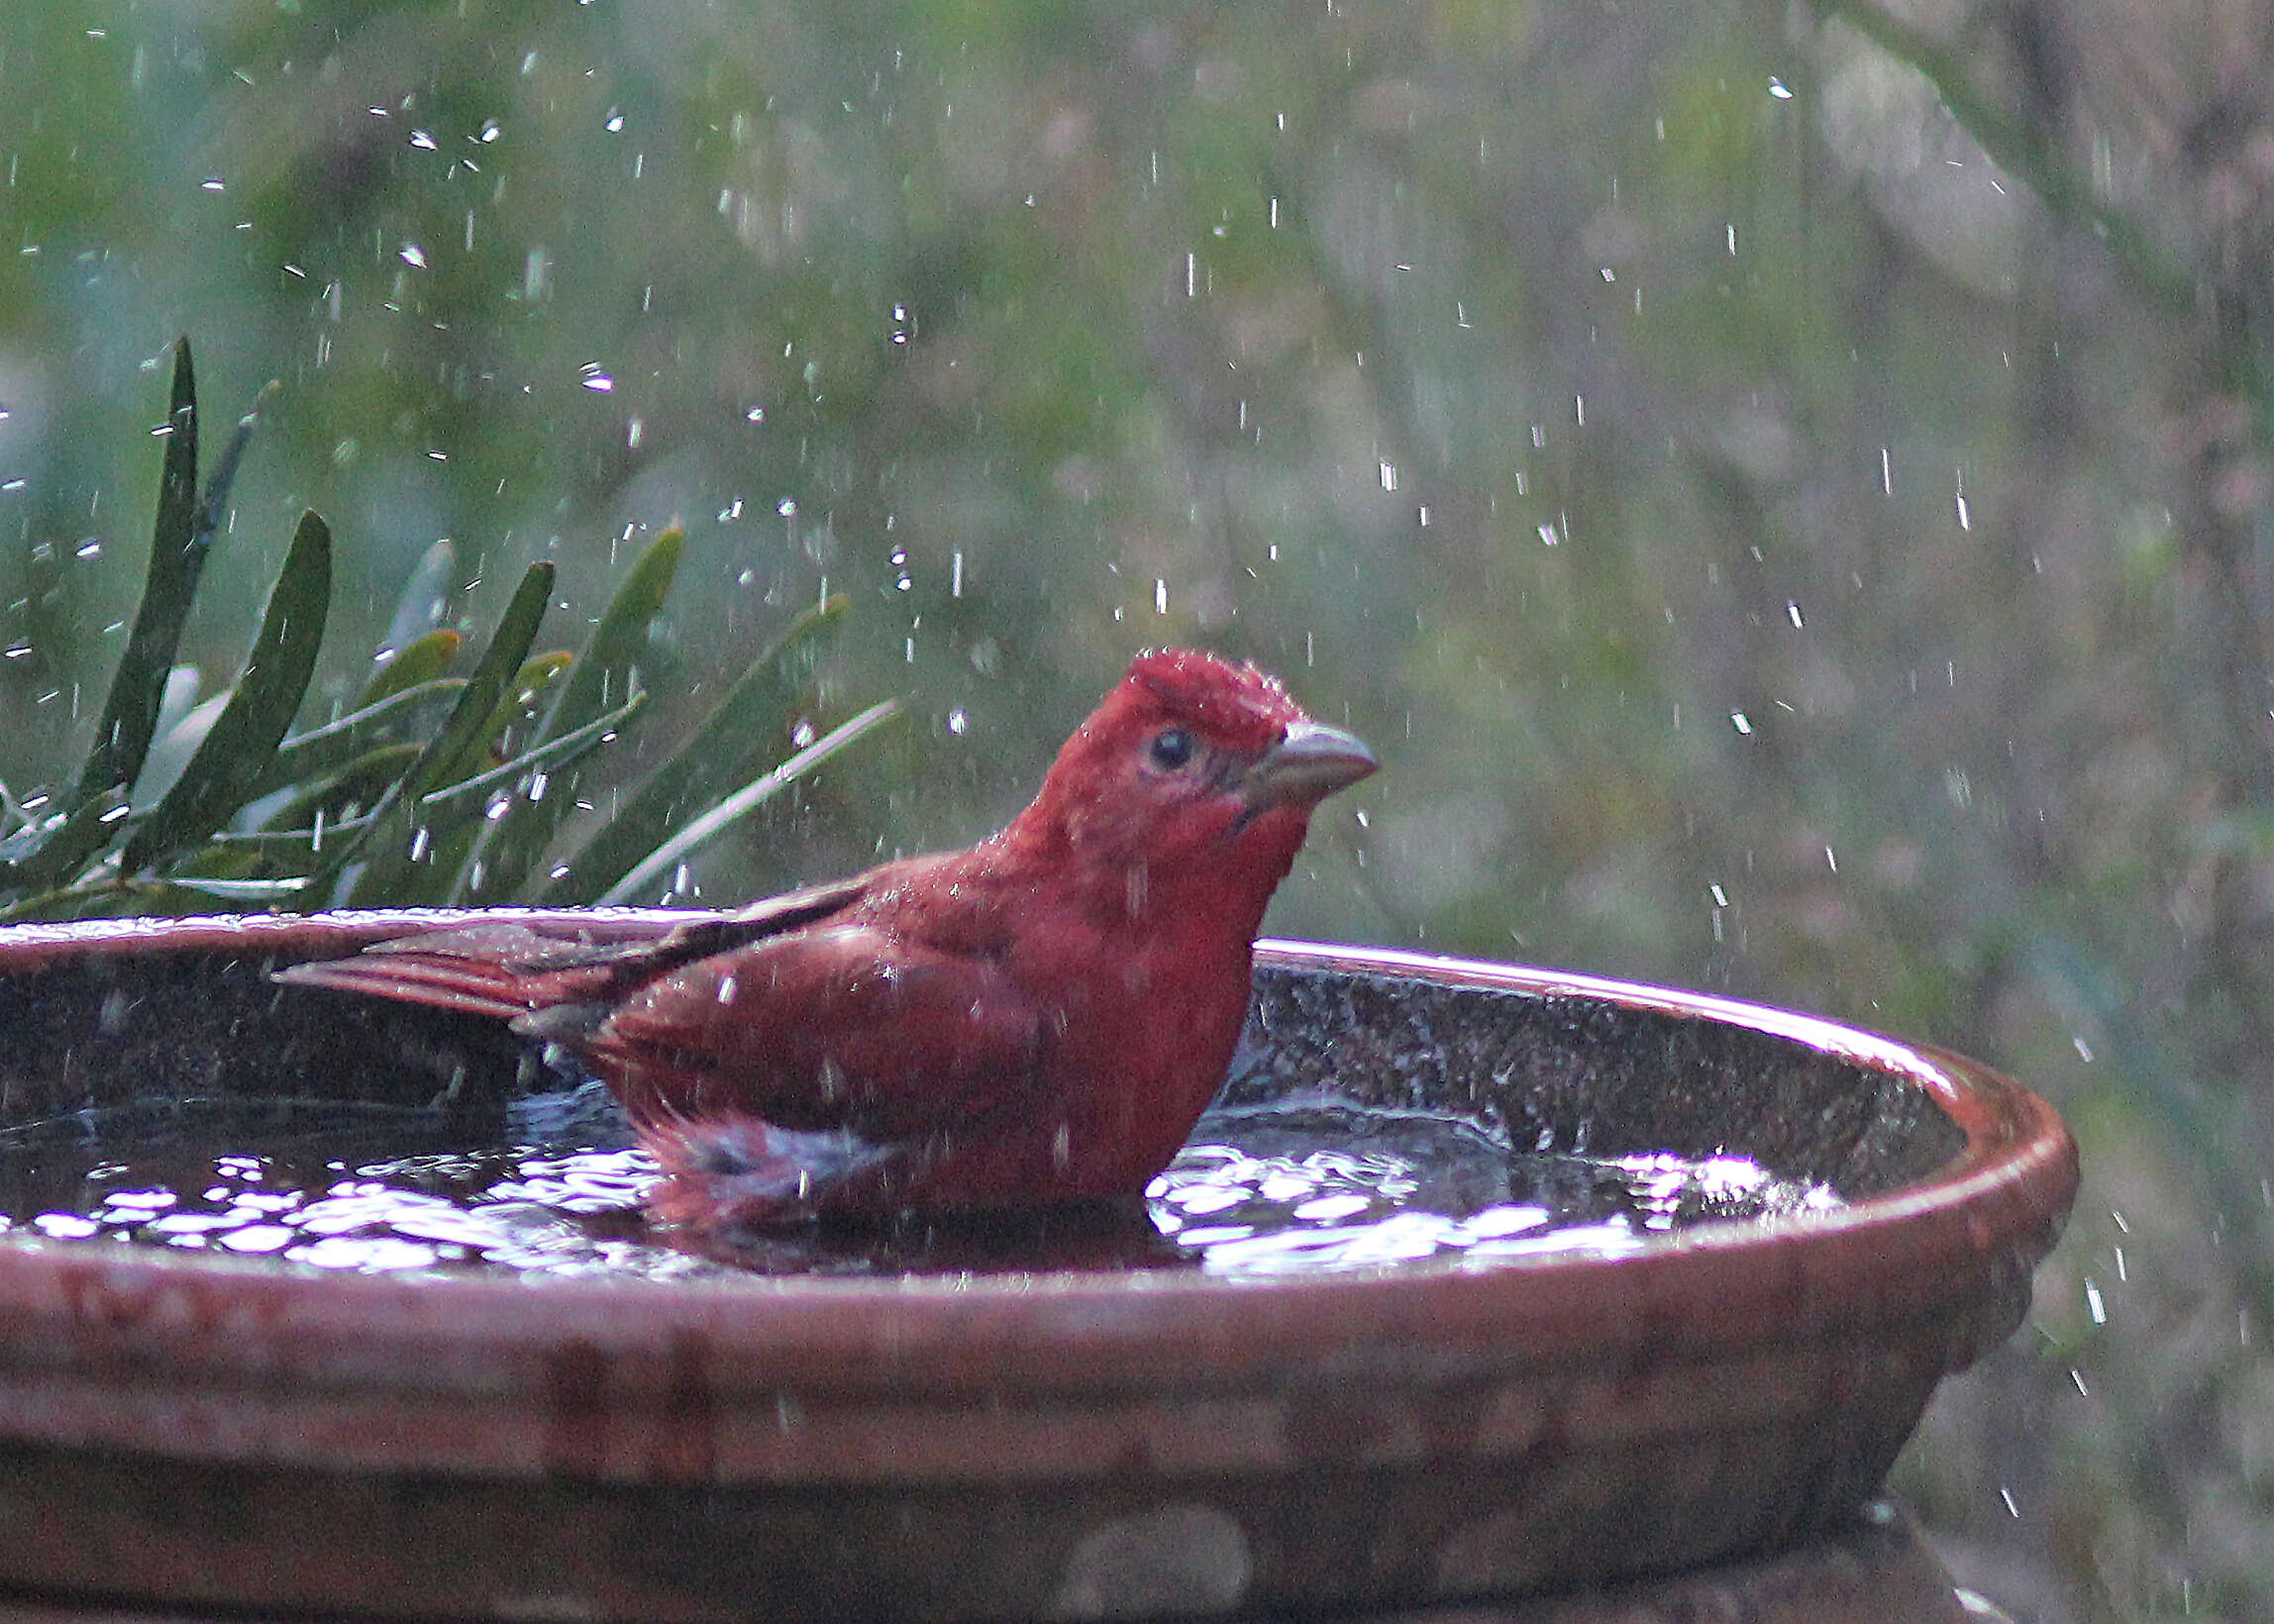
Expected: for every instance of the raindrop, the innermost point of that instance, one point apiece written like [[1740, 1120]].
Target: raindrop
[[1778, 89], [413, 255], [757, 414], [599, 382], [490, 131], [1742, 723], [958, 722], [1792, 613], [211, 183], [1389, 477], [420, 139], [615, 122], [786, 507]]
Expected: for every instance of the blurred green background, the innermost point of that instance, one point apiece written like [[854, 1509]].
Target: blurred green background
[[1785, 488]]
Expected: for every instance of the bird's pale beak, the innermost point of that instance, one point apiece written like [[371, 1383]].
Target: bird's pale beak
[[1310, 764]]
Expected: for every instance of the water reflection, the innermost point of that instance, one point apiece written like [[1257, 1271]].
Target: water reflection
[[1264, 1192]]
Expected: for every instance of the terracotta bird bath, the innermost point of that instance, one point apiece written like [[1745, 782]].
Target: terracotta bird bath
[[192, 1430]]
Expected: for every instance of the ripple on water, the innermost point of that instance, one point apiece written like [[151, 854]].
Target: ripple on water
[[1255, 1193]]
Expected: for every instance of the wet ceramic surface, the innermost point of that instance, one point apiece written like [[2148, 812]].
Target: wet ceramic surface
[[1066, 1441], [1871, 1569]]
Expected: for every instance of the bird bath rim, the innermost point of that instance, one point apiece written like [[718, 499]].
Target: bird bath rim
[[227, 1343]]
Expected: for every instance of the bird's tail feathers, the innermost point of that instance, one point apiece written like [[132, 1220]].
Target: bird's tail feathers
[[499, 971]]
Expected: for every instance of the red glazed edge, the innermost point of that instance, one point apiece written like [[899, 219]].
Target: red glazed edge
[[1938, 1264]]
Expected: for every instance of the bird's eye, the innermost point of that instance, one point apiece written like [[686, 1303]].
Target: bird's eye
[[1171, 749]]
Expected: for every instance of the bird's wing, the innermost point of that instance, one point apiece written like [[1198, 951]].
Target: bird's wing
[[507, 968], [835, 1027]]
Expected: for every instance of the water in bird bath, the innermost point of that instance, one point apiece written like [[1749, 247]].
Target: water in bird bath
[[1258, 1191]]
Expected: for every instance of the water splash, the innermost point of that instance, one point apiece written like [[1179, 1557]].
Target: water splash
[[1258, 1192]]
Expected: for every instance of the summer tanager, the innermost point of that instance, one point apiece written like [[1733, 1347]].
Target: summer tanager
[[1039, 1018]]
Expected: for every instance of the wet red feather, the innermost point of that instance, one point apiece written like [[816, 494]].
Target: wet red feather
[[1038, 1018]]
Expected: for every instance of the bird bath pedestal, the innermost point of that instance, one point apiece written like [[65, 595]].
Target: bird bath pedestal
[[184, 1430]]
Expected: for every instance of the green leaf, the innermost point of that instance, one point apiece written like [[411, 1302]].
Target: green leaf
[[425, 603], [722, 749], [419, 661], [66, 902], [177, 555], [228, 766], [649, 875], [521, 697], [59, 853], [297, 846], [553, 755], [537, 675], [511, 846], [361, 783], [390, 873], [295, 838], [195, 893], [306, 757], [213, 504], [597, 682], [466, 731]]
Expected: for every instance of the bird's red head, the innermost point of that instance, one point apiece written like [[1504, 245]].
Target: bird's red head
[[1192, 760], [1236, 705]]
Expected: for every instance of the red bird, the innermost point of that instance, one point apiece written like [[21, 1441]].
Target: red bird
[[1039, 1018]]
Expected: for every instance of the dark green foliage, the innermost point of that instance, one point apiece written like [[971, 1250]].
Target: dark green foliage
[[259, 709], [430, 790]]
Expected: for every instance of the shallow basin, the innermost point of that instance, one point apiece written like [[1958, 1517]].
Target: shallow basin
[[254, 1433]]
